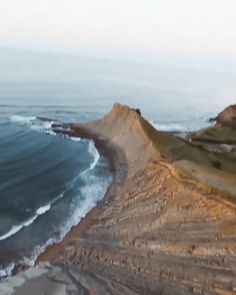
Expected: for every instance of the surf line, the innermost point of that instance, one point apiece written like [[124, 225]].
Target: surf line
[[42, 210]]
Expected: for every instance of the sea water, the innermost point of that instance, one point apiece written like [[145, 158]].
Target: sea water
[[49, 182]]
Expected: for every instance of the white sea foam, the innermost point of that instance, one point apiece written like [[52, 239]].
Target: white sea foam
[[94, 152], [16, 228], [30, 261], [47, 124], [169, 127], [50, 132], [11, 232], [41, 125], [22, 119], [34, 122], [43, 209], [74, 138], [30, 221], [96, 156], [93, 192], [7, 271]]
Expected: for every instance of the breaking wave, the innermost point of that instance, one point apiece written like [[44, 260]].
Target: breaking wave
[[16, 228], [169, 127], [44, 125], [42, 210]]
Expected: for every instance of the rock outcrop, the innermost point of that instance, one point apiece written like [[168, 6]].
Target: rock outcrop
[[227, 117], [170, 227], [168, 223]]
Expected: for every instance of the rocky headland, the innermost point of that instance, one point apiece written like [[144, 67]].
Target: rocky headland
[[167, 224]]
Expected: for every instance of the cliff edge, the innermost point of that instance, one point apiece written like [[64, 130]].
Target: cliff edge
[[168, 223], [171, 226]]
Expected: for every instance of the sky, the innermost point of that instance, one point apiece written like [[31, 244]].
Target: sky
[[154, 28]]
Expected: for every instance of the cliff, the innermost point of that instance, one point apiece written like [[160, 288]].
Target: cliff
[[168, 222], [227, 117], [171, 226]]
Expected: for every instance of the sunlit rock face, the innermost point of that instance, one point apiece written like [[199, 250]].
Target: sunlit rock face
[[228, 117]]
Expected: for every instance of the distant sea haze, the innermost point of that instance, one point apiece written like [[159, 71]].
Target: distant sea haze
[[49, 182], [163, 91]]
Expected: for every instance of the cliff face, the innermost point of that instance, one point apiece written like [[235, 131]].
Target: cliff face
[[167, 229], [168, 223], [123, 127]]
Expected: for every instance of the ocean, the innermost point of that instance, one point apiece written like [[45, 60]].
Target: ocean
[[49, 182]]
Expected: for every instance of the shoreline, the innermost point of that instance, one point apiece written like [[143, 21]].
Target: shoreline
[[118, 167], [164, 226]]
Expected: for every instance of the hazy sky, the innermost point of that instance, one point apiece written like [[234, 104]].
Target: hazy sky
[[197, 28]]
